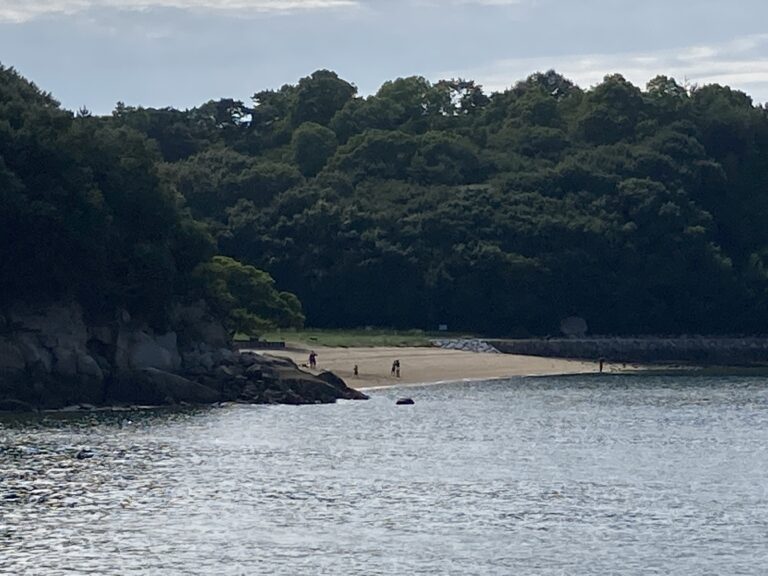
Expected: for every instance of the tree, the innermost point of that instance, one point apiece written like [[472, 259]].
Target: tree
[[319, 97], [443, 158], [377, 154], [246, 298], [641, 211], [610, 111], [312, 146], [217, 178]]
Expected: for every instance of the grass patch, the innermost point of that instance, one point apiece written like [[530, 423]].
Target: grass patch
[[355, 338]]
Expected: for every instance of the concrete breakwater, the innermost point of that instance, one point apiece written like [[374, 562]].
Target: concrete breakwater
[[695, 350]]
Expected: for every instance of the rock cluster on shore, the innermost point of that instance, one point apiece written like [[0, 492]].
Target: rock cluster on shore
[[466, 345], [51, 358]]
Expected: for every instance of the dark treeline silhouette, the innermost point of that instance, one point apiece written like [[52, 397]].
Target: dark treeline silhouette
[[86, 216], [642, 211]]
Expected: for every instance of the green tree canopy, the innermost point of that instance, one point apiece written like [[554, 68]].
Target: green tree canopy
[[641, 210], [246, 298], [312, 146]]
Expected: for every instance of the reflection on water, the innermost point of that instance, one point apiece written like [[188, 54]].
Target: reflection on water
[[601, 475]]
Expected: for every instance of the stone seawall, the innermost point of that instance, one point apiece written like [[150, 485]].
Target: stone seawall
[[694, 350]]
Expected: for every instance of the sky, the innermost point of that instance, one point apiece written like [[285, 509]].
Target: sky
[[182, 53]]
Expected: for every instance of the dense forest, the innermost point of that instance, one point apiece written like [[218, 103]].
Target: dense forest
[[642, 211], [86, 215]]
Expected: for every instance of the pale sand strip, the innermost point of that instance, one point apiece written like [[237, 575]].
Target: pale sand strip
[[431, 365]]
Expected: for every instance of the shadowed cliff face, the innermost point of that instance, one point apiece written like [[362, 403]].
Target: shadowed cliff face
[[50, 357]]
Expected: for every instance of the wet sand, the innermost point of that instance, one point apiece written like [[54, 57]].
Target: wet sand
[[431, 365]]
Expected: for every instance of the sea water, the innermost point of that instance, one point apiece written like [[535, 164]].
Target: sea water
[[574, 475]]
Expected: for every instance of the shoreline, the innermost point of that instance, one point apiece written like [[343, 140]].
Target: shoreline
[[423, 366], [460, 381]]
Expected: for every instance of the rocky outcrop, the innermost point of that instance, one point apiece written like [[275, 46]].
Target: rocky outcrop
[[466, 345], [136, 349], [50, 358]]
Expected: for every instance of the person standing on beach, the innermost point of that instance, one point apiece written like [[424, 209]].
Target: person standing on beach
[[312, 359], [396, 366]]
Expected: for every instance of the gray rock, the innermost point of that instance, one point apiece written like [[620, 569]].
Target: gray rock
[[88, 367], [178, 388], [248, 358], [58, 325], [169, 341], [13, 405], [190, 360], [341, 387], [139, 349], [206, 361], [123, 349], [252, 392], [279, 361], [11, 358], [223, 355], [324, 388], [104, 364], [49, 357], [196, 324], [37, 357], [254, 371], [65, 362], [225, 372], [101, 334], [466, 345]]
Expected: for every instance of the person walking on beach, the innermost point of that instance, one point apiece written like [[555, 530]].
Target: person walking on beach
[[312, 359], [396, 368]]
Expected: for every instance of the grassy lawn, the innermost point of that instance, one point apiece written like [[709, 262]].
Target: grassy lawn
[[351, 338]]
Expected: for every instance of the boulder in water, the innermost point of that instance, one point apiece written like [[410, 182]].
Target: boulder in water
[[404, 401]]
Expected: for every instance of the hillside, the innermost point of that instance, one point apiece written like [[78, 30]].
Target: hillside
[[640, 210], [86, 217]]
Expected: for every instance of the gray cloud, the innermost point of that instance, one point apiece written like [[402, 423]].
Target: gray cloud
[[183, 52], [25, 10], [740, 63]]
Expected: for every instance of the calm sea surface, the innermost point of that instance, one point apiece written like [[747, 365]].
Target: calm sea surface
[[598, 475]]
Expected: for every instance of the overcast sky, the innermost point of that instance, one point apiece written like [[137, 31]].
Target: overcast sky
[[182, 53]]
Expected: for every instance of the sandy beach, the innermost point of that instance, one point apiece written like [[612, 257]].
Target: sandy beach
[[431, 365]]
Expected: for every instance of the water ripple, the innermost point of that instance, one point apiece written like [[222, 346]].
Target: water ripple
[[604, 475]]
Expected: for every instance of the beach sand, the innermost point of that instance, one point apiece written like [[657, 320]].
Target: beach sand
[[431, 365]]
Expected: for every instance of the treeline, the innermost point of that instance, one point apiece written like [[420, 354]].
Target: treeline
[[86, 215], [643, 211]]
